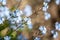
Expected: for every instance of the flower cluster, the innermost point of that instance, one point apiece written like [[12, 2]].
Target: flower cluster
[[43, 29], [45, 8]]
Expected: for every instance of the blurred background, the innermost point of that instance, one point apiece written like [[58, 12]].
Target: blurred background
[[29, 19]]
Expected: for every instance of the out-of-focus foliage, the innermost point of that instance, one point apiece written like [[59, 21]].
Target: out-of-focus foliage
[[4, 25]]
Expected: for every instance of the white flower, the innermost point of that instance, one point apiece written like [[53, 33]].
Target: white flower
[[57, 26], [47, 15], [18, 19], [1, 20], [21, 12], [45, 8], [4, 2], [55, 35], [1, 11], [26, 19], [57, 2], [43, 29], [45, 4], [4, 11], [7, 38], [37, 38], [28, 10], [18, 12], [29, 24], [52, 31]]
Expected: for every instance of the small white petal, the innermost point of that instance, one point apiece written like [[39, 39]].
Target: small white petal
[[4, 2], [47, 15], [43, 29], [52, 31], [57, 26], [3, 19], [28, 10], [2, 11], [45, 4], [18, 19], [57, 2], [26, 19], [29, 24], [21, 12], [45, 8]]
